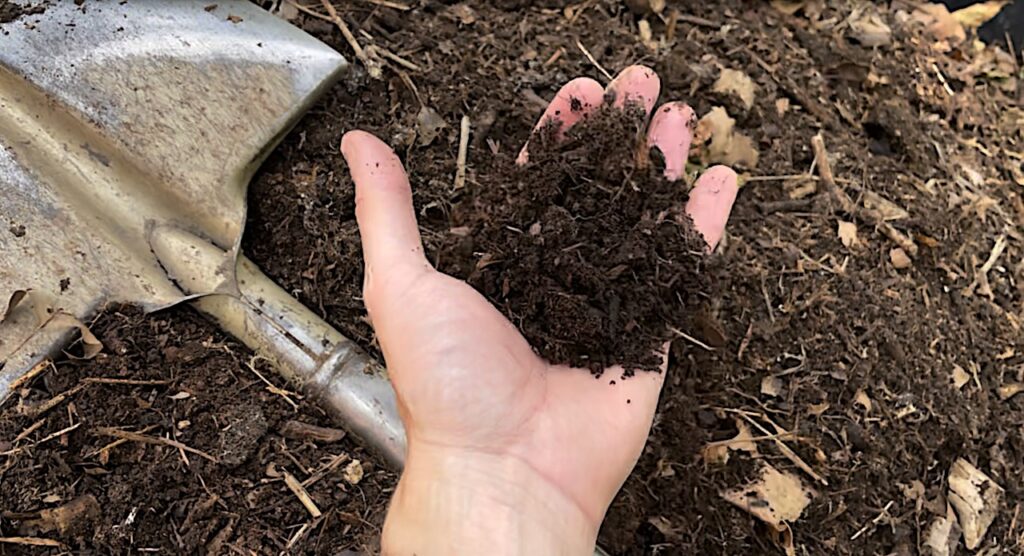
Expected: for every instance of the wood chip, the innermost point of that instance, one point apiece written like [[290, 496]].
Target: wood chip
[[296, 487], [297, 430]]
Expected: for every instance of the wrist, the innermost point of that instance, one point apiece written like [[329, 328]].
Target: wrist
[[460, 502]]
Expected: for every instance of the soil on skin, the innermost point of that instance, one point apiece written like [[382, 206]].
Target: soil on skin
[[829, 340], [588, 254], [9, 11], [122, 498]]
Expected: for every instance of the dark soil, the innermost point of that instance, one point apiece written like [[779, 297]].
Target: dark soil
[[200, 392], [810, 327], [589, 255]]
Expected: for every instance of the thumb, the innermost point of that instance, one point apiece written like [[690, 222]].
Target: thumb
[[392, 248]]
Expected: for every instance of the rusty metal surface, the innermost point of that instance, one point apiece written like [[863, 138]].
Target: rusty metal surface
[[118, 117]]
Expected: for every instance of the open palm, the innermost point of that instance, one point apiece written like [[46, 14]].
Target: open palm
[[467, 381]]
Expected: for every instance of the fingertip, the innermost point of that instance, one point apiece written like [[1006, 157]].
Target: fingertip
[[636, 83], [711, 201], [671, 132], [573, 102]]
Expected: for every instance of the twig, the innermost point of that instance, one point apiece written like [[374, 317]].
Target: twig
[[31, 541], [460, 171], [394, 57], [296, 487], [390, 4], [31, 429], [116, 443], [327, 468], [590, 57], [32, 373], [157, 440], [55, 401], [373, 67], [46, 439], [270, 386], [686, 336], [696, 20], [786, 450], [126, 381], [732, 441], [884, 513]]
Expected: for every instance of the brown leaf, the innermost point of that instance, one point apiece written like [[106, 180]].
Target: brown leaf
[[899, 258], [974, 16], [976, 499], [939, 23], [727, 146], [848, 234], [737, 83], [775, 498], [91, 346], [868, 28], [17, 297]]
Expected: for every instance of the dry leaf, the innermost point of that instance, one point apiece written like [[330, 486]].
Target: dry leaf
[[91, 346], [462, 13], [976, 499], [943, 535], [960, 377], [775, 498], [665, 527], [16, 298], [781, 106], [885, 208], [428, 125], [1010, 390], [727, 147], [974, 16], [899, 258], [789, 7], [939, 23], [717, 453], [181, 396], [861, 398], [772, 386], [354, 472], [848, 234], [817, 409], [736, 83], [869, 29]]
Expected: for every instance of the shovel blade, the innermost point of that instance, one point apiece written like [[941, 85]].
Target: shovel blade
[[116, 118]]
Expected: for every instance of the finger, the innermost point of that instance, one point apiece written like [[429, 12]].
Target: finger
[[634, 85], [671, 132], [574, 101], [711, 202], [384, 211]]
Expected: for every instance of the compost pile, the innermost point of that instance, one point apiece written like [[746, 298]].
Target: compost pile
[[585, 248]]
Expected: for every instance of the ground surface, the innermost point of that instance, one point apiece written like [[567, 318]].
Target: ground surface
[[886, 368]]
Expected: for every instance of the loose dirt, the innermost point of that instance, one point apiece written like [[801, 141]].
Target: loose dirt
[[587, 252], [885, 365]]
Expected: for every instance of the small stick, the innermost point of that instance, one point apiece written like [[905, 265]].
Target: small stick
[[126, 381], [270, 386], [160, 441], [695, 20], [554, 57], [389, 4], [32, 373], [31, 429], [296, 487], [55, 401], [330, 466], [786, 451], [732, 441], [31, 541], [47, 439], [116, 443], [878, 518], [592, 60], [460, 171], [394, 58], [372, 66], [695, 341]]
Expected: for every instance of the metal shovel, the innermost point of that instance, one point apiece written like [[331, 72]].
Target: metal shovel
[[129, 133]]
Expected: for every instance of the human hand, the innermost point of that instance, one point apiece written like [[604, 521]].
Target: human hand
[[506, 453]]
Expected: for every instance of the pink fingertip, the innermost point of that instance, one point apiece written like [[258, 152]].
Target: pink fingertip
[[635, 84], [671, 131], [573, 102], [711, 202]]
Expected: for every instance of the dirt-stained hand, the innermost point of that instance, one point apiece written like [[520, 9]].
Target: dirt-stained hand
[[507, 454]]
